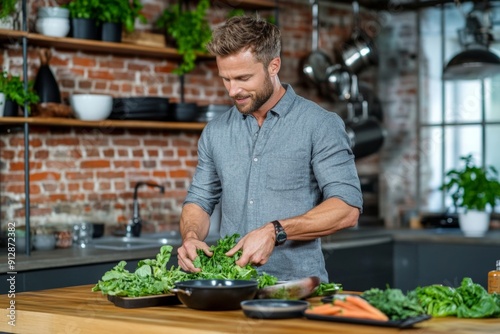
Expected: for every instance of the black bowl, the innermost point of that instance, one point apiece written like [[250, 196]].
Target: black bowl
[[216, 294]]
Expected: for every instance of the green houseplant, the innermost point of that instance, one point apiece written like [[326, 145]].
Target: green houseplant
[[121, 11], [84, 16], [473, 189], [190, 30], [8, 8], [13, 89]]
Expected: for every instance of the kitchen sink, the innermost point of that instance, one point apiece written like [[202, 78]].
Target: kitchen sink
[[126, 243]]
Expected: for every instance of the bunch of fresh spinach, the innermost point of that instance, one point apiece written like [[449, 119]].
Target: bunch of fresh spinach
[[152, 277], [437, 300], [469, 300], [394, 303], [221, 266]]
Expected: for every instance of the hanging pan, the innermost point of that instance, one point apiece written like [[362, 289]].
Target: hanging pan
[[359, 51], [314, 66]]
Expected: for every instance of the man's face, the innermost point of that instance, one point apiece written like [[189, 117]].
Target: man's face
[[246, 80]]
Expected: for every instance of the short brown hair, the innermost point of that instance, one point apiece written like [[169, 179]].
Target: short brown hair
[[247, 32]]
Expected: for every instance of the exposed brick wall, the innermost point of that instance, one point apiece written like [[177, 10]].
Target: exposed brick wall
[[92, 172]]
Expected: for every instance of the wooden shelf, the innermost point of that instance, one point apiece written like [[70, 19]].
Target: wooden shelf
[[69, 43], [249, 4], [130, 124]]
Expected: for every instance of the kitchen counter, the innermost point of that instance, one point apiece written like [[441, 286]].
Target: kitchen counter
[[78, 310], [343, 239]]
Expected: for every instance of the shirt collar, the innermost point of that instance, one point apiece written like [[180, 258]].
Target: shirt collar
[[283, 106]]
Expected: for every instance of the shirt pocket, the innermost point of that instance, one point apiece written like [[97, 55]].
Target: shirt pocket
[[285, 173]]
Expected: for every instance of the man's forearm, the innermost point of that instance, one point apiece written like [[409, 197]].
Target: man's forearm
[[195, 222]]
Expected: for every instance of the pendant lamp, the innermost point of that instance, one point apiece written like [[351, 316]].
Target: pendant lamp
[[476, 61]]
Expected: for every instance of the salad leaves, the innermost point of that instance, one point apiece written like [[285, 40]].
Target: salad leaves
[[394, 303], [469, 300], [152, 277], [221, 266]]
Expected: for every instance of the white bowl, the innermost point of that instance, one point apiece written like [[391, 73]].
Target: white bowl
[[52, 26], [53, 12], [91, 107]]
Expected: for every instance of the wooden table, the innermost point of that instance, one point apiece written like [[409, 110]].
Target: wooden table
[[78, 310]]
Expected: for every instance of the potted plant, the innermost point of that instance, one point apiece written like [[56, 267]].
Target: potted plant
[[116, 15], [84, 16], [473, 190], [189, 29], [15, 94], [7, 11]]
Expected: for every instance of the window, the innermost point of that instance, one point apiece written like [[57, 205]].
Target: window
[[456, 117]]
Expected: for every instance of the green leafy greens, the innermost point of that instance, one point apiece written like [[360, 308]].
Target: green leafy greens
[[151, 276], [469, 300], [393, 303], [220, 266]]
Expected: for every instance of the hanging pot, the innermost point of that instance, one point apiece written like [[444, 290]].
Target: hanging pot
[[359, 51], [45, 83], [338, 83], [341, 106], [314, 66], [366, 133]]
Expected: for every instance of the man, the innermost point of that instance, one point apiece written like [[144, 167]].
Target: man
[[280, 164]]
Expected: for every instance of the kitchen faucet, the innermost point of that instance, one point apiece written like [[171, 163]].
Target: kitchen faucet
[[135, 224]]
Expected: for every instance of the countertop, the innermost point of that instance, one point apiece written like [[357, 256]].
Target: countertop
[[78, 310], [353, 237]]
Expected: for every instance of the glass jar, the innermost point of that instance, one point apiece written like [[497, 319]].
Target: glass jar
[[64, 236]]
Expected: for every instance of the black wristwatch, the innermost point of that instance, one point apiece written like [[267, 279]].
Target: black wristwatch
[[280, 233]]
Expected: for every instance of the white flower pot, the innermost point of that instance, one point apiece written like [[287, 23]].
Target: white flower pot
[[474, 223]]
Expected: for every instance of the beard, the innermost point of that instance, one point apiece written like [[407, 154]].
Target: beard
[[257, 101]]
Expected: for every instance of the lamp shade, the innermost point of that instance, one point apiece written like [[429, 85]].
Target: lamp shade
[[472, 64]]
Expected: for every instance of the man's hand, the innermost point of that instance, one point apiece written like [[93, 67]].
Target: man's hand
[[257, 246], [187, 253]]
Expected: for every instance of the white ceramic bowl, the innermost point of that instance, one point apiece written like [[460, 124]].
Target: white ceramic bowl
[[53, 12], [52, 26], [91, 107]]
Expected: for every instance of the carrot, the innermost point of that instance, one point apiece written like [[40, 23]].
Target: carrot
[[357, 314], [366, 306], [345, 305], [325, 309]]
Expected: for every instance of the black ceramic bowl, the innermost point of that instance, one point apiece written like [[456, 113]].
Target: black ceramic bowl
[[216, 294]]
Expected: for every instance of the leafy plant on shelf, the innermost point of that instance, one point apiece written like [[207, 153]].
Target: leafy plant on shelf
[[83, 9], [472, 187], [121, 11], [8, 8], [190, 30], [13, 88]]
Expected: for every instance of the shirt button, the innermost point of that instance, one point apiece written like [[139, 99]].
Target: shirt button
[[251, 201], [255, 159]]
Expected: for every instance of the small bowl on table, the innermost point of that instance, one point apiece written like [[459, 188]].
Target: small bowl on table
[[91, 107]]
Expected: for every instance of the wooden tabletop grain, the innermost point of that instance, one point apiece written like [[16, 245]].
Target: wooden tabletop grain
[[79, 310]]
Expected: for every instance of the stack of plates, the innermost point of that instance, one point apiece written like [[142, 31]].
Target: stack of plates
[[207, 113], [140, 108]]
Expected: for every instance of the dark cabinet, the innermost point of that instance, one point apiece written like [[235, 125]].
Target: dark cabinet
[[420, 264], [360, 266]]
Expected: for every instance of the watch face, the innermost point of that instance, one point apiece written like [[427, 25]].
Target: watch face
[[280, 237]]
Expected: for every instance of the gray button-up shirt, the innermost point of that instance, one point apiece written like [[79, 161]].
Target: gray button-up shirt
[[299, 157]]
